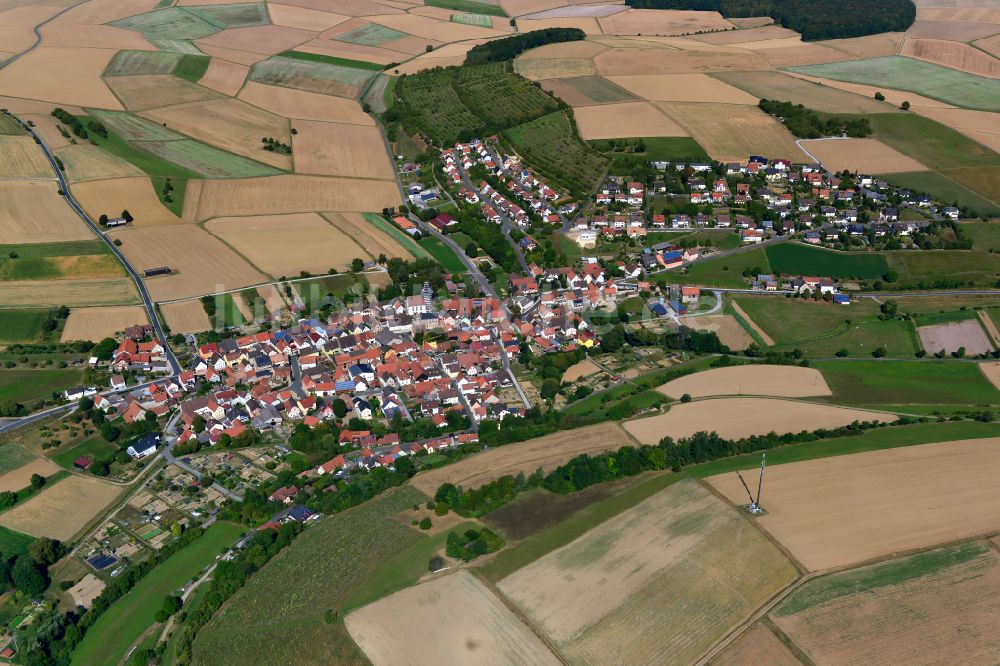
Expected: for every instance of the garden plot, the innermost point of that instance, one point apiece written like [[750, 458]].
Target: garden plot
[[850, 509], [938, 606], [860, 155], [783, 381], [730, 132], [85, 162], [286, 244], [818, 97], [95, 324], [310, 76], [304, 105], [968, 335], [611, 121], [735, 418], [31, 211], [454, 619], [584, 368], [294, 194], [72, 76], [332, 149], [683, 88], [186, 317], [659, 583], [136, 195], [60, 511], [21, 158]]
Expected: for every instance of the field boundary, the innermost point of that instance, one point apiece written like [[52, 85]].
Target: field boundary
[[751, 326]]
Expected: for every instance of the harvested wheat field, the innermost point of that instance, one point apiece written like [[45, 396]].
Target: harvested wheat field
[[232, 55], [992, 372], [861, 155], [981, 126], [659, 583], [200, 262], [85, 591], [793, 53], [72, 76], [95, 324], [294, 194], [372, 240], [776, 85], [31, 211], [584, 368], [231, 125], [186, 317], [333, 149], [938, 606], [537, 69], [869, 46], [110, 197], [149, 91], [662, 22], [662, 59], [303, 18], [85, 162], [730, 132], [726, 327], [547, 452], [45, 126], [782, 381], [991, 45], [950, 337], [61, 510], [683, 88], [587, 90], [452, 619], [103, 11], [757, 34], [304, 105], [953, 54], [953, 30], [756, 645], [580, 49], [72, 293], [20, 478], [287, 244], [92, 36], [610, 121], [849, 509], [587, 24], [734, 418], [224, 76], [428, 28], [21, 158], [264, 39]]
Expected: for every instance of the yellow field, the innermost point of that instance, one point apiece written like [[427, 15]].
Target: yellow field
[[428, 28], [229, 124], [981, 126], [332, 149], [730, 332], [554, 68], [149, 91], [286, 244], [62, 510], [784, 381], [367, 236], [85, 162], [453, 619], [95, 324], [610, 121], [71, 76], [31, 211], [186, 317], [20, 478], [93, 36], [865, 155], [580, 49], [666, 59], [953, 54], [110, 197], [869, 46], [682, 88], [662, 22], [731, 132], [201, 263], [659, 583], [72, 293], [301, 17], [304, 105], [45, 125], [265, 39], [224, 76], [21, 158], [734, 418], [293, 194]]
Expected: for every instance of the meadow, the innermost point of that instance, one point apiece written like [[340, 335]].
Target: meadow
[[108, 640], [799, 259], [55, 261], [26, 384], [907, 382], [26, 325], [726, 272]]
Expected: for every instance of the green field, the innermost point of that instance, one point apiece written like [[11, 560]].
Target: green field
[[110, 637], [13, 456], [182, 46], [480, 20], [240, 15], [944, 189], [943, 83], [14, 543], [931, 318], [726, 272], [142, 62], [660, 148], [371, 34], [799, 259], [95, 447], [444, 254], [206, 160], [279, 612], [467, 6], [984, 235], [332, 60], [822, 329], [22, 325], [168, 23], [552, 146], [192, 67], [311, 76], [9, 126], [226, 312], [979, 267], [902, 382], [42, 261], [23, 384]]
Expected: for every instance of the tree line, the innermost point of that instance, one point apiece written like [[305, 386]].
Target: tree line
[[509, 48], [806, 123]]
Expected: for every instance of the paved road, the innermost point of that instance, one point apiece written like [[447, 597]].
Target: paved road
[[505, 225], [146, 300], [38, 35], [167, 453], [14, 424]]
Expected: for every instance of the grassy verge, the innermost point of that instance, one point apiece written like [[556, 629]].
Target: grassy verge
[[444, 254], [403, 238], [333, 60]]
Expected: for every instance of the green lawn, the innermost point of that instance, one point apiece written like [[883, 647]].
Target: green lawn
[[931, 318], [24, 384], [14, 543], [95, 447], [110, 637], [444, 254], [724, 272], [984, 235], [332, 60], [902, 382], [799, 259]]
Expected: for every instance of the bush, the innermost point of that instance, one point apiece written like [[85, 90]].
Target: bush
[[442, 509], [425, 523]]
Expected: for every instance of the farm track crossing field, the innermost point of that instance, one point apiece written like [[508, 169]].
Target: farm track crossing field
[[293, 194], [455, 618], [95, 324], [934, 81], [786, 381], [929, 607], [550, 145], [21, 158], [778, 86], [658, 583], [31, 211], [733, 131], [310, 76], [854, 508], [547, 452], [799, 259], [60, 511]]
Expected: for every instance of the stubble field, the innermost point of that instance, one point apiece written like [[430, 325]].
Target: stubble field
[[733, 132], [331, 149], [85, 162], [31, 211], [186, 317], [851, 509], [135, 194], [864, 155], [304, 104], [95, 324], [21, 158], [609, 121], [20, 478], [60, 511], [785, 381]]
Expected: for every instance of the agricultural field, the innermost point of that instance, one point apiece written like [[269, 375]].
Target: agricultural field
[[95, 324], [20, 478], [851, 509], [84, 162], [550, 145], [800, 259], [317, 77], [949, 337], [609, 121], [304, 105], [908, 382], [26, 384], [58, 261], [144, 92], [640, 583], [31, 211], [546, 452], [134, 194], [587, 90], [944, 188], [729, 330], [745, 417], [658, 148], [142, 62], [72, 293], [733, 131], [185, 317], [756, 645], [860, 155], [63, 509], [334, 149], [815, 96], [929, 606], [783, 381], [21, 158], [455, 618]]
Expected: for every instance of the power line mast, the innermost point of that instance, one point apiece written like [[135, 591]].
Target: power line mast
[[754, 505]]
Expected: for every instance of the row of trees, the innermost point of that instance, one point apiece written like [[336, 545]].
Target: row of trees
[[509, 48], [806, 124]]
